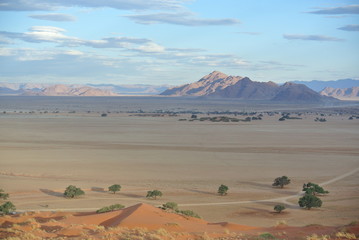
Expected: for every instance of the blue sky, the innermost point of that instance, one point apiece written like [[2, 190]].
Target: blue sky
[[177, 41]]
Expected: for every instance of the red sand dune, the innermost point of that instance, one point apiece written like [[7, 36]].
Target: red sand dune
[[141, 220]]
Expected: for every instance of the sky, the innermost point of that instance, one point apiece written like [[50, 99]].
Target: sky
[[174, 42]]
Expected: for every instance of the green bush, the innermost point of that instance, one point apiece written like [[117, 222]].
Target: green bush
[[312, 188], [114, 188], [281, 181], [110, 208], [266, 236], [73, 191], [170, 205], [309, 201], [154, 194], [189, 213], [3, 195], [222, 190], [7, 208], [279, 208]]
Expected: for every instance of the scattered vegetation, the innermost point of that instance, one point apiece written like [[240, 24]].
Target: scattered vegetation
[[279, 208], [189, 213], [110, 208], [317, 237], [3, 195], [222, 190], [73, 191], [287, 116], [7, 208], [309, 201], [345, 235], [281, 181], [170, 205], [266, 236], [320, 120], [224, 119], [154, 194], [114, 188], [313, 189]]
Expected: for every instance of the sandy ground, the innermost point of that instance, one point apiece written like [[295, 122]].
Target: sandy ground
[[40, 155]]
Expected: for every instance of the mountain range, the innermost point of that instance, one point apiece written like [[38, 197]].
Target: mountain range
[[38, 89], [342, 93], [213, 85], [220, 85], [320, 85]]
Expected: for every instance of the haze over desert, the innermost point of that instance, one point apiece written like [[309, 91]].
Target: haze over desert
[[46, 147]]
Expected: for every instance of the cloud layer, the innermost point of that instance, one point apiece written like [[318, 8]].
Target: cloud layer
[[311, 37], [352, 27], [57, 17], [181, 18], [350, 9], [45, 5]]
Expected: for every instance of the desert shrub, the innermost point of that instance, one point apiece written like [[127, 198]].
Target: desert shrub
[[189, 213], [170, 205], [266, 236], [7, 208], [3, 195], [345, 235], [279, 208], [320, 120], [317, 237], [154, 194], [104, 115], [222, 190], [114, 188], [312, 188], [281, 181], [110, 208], [309, 201], [73, 191]]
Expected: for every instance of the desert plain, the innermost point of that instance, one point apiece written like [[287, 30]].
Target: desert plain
[[47, 144]]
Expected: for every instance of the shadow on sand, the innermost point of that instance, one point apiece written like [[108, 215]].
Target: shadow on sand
[[201, 192], [98, 189], [52, 193]]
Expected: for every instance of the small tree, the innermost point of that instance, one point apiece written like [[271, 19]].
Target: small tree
[[170, 205], [3, 195], [281, 181], [7, 208], [154, 194], [308, 201], [72, 191], [110, 208], [279, 208], [114, 188], [222, 190], [313, 189]]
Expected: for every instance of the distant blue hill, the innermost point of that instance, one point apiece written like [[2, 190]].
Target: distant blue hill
[[135, 89], [320, 85]]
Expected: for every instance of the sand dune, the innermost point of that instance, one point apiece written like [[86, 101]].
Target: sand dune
[[142, 221]]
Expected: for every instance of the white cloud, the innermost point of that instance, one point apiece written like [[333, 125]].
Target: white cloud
[[151, 48], [311, 37], [46, 5], [180, 18], [351, 27], [58, 17], [349, 9]]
